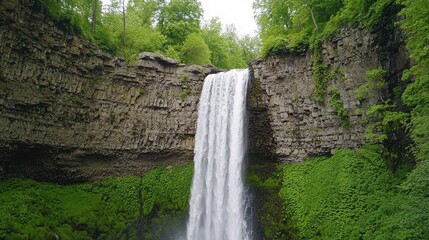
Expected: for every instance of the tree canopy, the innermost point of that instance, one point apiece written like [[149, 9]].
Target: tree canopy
[[166, 27], [298, 23], [195, 50]]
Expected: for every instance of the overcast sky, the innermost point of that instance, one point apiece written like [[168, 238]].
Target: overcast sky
[[237, 12]]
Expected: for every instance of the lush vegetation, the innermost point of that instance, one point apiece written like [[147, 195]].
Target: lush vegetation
[[132, 207], [297, 24], [416, 24], [353, 195], [173, 28], [378, 193], [375, 193], [264, 181]]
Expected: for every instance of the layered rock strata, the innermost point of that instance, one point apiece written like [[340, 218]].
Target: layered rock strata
[[70, 112], [302, 127]]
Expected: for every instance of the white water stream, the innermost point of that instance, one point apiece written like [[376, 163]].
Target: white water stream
[[217, 204]]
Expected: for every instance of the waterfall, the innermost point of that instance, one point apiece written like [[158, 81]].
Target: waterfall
[[217, 204]]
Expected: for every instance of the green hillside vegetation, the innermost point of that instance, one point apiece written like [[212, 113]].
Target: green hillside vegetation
[[160, 26], [378, 192], [298, 24], [353, 195], [124, 208]]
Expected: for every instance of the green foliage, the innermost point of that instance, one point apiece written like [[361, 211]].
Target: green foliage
[[274, 45], [320, 75], [336, 103], [264, 181], [374, 87], [184, 77], [382, 117], [227, 49], [179, 19], [154, 26], [152, 41], [184, 93], [251, 47], [352, 195], [292, 20], [321, 78], [195, 50], [71, 14], [106, 210], [172, 51], [416, 25]]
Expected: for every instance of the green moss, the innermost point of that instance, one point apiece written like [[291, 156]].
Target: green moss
[[134, 132], [109, 209], [255, 92], [184, 93], [264, 180], [186, 88], [184, 77], [76, 100], [320, 75], [274, 45], [95, 81], [336, 103], [142, 91]]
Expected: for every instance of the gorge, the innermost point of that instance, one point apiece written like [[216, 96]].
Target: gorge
[[109, 146], [83, 114]]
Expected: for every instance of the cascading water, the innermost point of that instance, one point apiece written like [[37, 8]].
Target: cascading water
[[217, 205]]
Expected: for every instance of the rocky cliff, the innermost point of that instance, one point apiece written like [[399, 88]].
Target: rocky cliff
[[69, 112], [283, 90]]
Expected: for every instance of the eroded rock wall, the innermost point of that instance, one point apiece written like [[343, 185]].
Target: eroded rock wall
[[299, 125], [70, 112]]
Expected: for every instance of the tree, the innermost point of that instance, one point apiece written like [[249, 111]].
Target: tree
[[212, 34], [235, 57], [94, 16], [195, 50], [292, 22], [179, 19], [251, 47], [124, 24], [142, 12]]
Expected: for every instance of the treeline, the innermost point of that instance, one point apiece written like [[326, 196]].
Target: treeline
[[173, 28], [298, 24]]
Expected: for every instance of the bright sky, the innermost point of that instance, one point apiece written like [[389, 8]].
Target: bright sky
[[236, 12]]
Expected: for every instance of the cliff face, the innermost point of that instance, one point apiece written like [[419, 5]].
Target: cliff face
[[284, 90], [69, 112]]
